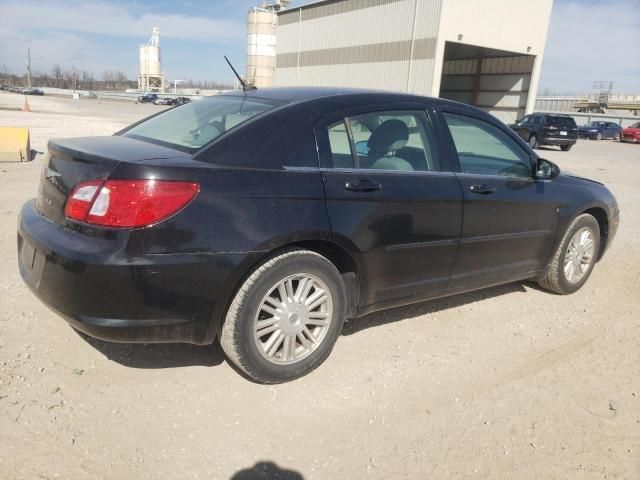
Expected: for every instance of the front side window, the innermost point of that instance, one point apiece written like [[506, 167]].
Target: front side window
[[191, 126], [391, 140], [485, 149]]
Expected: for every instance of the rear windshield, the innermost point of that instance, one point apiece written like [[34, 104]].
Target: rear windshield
[[191, 126], [561, 121]]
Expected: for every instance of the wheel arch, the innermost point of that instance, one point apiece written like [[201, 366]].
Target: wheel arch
[[337, 254], [601, 216]]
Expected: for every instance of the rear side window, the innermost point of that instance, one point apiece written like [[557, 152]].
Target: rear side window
[[567, 122], [484, 149], [195, 124], [387, 140]]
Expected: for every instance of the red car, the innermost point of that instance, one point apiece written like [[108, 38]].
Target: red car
[[632, 133]]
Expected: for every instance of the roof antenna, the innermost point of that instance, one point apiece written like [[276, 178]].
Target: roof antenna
[[245, 85]]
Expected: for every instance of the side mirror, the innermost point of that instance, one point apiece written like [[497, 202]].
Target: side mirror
[[546, 170], [362, 148]]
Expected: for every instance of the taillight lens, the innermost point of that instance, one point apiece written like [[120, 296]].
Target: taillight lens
[[128, 203]]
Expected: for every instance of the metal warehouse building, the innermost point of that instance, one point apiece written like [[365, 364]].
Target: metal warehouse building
[[486, 53]]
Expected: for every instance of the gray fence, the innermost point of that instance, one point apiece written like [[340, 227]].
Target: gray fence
[[124, 96]]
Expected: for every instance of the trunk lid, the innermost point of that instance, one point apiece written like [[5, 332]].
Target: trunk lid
[[74, 160]]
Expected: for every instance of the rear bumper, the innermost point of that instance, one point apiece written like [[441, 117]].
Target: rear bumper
[[557, 141], [106, 290]]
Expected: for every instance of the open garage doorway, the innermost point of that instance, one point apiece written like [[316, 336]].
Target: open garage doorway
[[495, 80]]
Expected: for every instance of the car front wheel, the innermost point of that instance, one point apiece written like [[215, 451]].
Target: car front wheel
[[533, 142], [575, 257], [286, 317], [565, 148]]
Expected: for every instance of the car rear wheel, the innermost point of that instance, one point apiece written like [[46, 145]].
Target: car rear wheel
[[285, 318], [575, 257], [565, 148], [617, 137], [533, 142], [599, 136]]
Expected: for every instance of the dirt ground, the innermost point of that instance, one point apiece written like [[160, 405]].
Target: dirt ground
[[509, 382]]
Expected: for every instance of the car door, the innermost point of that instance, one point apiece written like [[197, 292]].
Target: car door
[[509, 217], [392, 200]]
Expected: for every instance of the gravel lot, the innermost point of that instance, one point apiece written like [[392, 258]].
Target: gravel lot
[[509, 382]]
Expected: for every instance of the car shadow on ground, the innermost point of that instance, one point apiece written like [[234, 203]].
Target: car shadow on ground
[[267, 471], [403, 313], [158, 355], [174, 355]]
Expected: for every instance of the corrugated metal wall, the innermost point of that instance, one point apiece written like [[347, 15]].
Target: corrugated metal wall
[[381, 44]]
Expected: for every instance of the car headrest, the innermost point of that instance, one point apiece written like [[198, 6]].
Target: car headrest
[[391, 135]]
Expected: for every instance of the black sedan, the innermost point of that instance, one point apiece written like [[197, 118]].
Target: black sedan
[[268, 218]]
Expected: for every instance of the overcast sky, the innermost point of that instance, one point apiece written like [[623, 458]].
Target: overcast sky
[[588, 40]]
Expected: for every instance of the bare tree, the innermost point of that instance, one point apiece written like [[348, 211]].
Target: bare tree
[[4, 75], [120, 80], [57, 76], [87, 81]]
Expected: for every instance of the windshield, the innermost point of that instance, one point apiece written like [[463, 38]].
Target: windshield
[[191, 126], [594, 124], [635, 125]]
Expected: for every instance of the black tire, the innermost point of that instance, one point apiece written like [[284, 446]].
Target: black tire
[[618, 137], [599, 136], [565, 148], [554, 278], [237, 332], [533, 142]]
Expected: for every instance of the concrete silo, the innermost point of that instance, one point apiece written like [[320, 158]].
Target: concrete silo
[[262, 22], [151, 78]]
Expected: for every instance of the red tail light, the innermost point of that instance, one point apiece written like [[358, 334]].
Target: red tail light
[[128, 203]]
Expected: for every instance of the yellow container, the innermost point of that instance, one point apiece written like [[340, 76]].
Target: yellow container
[[15, 145]]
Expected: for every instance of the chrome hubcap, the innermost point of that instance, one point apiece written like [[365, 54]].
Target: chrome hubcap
[[293, 319], [579, 255]]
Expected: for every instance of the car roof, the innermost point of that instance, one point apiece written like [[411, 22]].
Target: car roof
[[303, 94]]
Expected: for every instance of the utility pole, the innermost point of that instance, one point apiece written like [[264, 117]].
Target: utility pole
[[175, 86], [29, 67]]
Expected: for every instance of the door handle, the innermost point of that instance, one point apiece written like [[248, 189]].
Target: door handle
[[482, 189], [363, 185]]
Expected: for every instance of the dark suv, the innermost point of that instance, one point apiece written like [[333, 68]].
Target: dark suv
[[545, 129], [148, 98]]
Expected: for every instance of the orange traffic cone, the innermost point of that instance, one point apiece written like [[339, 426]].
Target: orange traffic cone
[[25, 107]]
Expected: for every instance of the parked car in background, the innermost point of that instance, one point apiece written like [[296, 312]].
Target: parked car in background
[[546, 129], [598, 130], [32, 91], [89, 94], [164, 101], [632, 133], [147, 98], [182, 100], [212, 220]]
